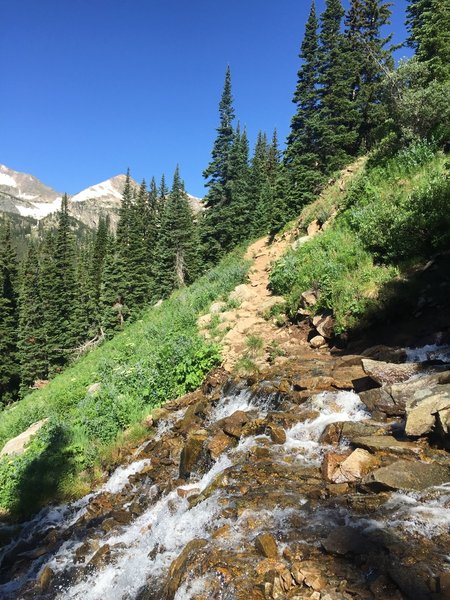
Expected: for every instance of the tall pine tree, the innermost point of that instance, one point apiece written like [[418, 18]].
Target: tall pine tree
[[9, 375]]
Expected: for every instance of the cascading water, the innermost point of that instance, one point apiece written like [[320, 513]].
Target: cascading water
[[122, 541]]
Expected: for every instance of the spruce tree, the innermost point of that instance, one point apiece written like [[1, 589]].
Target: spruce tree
[[337, 137], [32, 341], [302, 151], [428, 23], [9, 372], [216, 222], [369, 60], [178, 243], [113, 309]]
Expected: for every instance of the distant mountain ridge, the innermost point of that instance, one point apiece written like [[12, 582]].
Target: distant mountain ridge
[[26, 196]]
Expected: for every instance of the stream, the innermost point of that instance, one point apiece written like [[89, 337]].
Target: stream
[[229, 500]]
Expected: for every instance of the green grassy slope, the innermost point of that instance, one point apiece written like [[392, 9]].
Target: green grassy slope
[[155, 359], [392, 215]]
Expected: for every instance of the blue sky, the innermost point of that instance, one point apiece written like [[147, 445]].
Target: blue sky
[[91, 87]]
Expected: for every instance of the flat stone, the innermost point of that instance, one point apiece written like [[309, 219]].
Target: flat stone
[[386, 443], [383, 372], [407, 475], [379, 399], [18, 444]]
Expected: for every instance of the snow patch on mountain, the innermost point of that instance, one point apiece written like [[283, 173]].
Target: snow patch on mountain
[[6, 179], [39, 210]]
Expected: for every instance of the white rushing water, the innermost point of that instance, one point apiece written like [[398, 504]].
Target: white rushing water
[[429, 352], [333, 407]]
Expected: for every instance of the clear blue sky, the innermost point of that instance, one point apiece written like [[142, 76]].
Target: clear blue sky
[[90, 87]]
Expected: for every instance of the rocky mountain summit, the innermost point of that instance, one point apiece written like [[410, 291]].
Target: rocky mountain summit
[[27, 197]]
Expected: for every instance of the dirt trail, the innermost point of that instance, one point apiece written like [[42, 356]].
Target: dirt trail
[[249, 330]]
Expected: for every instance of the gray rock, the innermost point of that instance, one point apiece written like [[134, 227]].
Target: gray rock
[[407, 475], [386, 443], [379, 399], [426, 404], [345, 540], [384, 372]]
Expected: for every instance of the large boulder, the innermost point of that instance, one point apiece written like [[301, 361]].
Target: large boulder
[[407, 475], [18, 444], [388, 444], [427, 406], [384, 372], [192, 452]]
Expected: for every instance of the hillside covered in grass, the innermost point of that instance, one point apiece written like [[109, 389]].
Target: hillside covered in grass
[[394, 215], [155, 359]]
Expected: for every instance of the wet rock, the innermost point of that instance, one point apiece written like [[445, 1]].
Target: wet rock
[[100, 558], [383, 372], [387, 443], [266, 545], [219, 443], [233, 424], [407, 475], [385, 354], [44, 578], [334, 433], [178, 566], [411, 581], [346, 540], [193, 417], [380, 400], [192, 452], [277, 434], [186, 492], [159, 414], [354, 467]]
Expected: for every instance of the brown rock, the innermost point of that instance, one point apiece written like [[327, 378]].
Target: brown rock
[[309, 298], [330, 463], [178, 566], [100, 558], [266, 545], [317, 341], [325, 327], [219, 443], [44, 578], [313, 228], [192, 452], [234, 423], [379, 399], [277, 434], [354, 467], [386, 443], [386, 354], [185, 493]]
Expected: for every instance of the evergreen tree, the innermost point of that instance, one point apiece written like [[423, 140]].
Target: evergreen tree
[[428, 23], [112, 307], [98, 258], [369, 60], [240, 206], [336, 134], [138, 259], [178, 243], [217, 220], [31, 335], [59, 293], [9, 376], [302, 151], [85, 316]]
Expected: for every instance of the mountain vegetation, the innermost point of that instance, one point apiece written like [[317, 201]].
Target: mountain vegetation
[[85, 310]]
